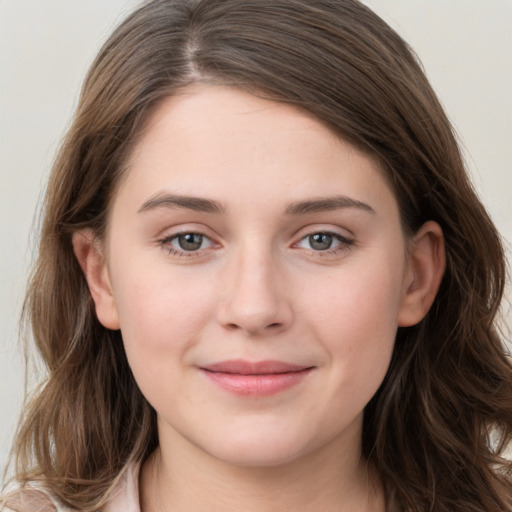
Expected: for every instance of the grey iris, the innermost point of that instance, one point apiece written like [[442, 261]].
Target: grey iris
[[190, 241], [320, 241]]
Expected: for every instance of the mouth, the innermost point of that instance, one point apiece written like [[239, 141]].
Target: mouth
[[256, 379]]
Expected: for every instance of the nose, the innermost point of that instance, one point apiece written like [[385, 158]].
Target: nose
[[255, 299]]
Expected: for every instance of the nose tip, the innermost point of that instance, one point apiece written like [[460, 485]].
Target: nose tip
[[255, 302], [256, 316]]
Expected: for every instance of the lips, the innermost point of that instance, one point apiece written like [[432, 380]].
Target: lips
[[258, 379], [241, 367]]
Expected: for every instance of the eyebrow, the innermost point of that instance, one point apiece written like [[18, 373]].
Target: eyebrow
[[327, 204], [197, 204], [200, 204]]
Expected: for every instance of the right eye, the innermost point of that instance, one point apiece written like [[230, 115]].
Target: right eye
[[186, 244]]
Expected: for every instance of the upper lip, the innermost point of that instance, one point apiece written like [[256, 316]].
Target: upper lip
[[241, 367]]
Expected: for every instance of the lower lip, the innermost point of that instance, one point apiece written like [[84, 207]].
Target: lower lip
[[257, 385]]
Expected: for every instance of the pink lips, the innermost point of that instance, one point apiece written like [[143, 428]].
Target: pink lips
[[262, 378]]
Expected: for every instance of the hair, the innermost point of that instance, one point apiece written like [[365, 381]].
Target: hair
[[439, 425]]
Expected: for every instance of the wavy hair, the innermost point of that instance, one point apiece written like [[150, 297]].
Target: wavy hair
[[438, 427]]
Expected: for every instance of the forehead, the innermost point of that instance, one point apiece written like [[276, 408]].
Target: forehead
[[204, 114], [224, 143]]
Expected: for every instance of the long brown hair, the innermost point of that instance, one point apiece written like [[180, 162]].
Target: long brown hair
[[437, 428]]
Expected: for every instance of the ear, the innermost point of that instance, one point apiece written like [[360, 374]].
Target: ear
[[426, 265], [89, 253]]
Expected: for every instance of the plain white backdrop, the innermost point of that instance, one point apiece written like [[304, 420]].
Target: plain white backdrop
[[46, 47]]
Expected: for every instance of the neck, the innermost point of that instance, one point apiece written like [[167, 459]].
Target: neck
[[182, 478]]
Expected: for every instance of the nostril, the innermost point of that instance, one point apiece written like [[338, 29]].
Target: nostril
[[233, 326]]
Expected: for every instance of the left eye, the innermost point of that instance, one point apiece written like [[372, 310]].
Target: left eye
[[322, 241]]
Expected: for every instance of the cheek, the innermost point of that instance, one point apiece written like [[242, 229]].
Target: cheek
[[162, 314], [361, 300], [356, 322]]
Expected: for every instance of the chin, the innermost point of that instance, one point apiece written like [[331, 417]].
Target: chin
[[266, 456], [259, 447]]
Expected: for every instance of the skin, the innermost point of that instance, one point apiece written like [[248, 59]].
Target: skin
[[257, 287]]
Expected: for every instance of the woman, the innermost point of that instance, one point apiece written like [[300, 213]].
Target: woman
[[264, 278]]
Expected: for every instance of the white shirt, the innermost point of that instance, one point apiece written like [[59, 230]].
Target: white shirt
[[34, 498]]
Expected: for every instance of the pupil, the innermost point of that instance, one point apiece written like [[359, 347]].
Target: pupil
[[190, 241], [320, 241]]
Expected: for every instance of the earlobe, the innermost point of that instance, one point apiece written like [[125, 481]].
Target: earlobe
[[89, 254], [426, 267]]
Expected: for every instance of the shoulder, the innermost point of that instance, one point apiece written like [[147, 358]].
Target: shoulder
[[124, 496], [28, 499]]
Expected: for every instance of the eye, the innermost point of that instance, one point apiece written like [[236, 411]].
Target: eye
[[320, 241], [324, 241], [184, 244], [189, 241]]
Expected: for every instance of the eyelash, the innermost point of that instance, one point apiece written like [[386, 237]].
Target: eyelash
[[166, 243]]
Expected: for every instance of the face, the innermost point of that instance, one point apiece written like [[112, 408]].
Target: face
[[258, 272]]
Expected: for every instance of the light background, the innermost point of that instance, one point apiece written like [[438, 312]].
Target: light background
[[46, 47]]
